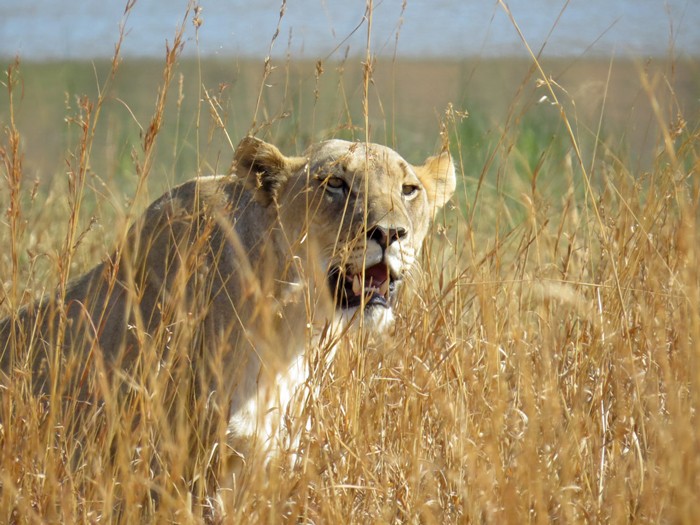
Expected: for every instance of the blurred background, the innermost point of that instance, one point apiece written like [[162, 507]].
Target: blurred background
[[314, 29], [610, 62]]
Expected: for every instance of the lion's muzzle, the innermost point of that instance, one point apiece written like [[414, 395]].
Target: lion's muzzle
[[372, 282]]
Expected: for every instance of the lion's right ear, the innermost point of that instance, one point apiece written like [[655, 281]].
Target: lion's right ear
[[438, 177], [264, 168]]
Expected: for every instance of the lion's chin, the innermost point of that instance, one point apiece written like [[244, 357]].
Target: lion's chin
[[376, 318], [367, 303]]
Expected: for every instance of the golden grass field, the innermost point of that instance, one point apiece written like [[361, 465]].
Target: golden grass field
[[544, 369]]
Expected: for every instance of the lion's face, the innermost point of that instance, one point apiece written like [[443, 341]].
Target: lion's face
[[360, 209]]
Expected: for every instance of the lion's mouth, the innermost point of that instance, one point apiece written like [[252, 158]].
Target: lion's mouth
[[349, 292]]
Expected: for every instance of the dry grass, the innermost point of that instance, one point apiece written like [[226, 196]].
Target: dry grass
[[545, 368]]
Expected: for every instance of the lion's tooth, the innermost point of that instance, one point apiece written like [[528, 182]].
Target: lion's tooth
[[356, 285], [384, 288]]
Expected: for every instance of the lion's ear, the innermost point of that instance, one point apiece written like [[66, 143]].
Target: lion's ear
[[264, 168], [437, 175]]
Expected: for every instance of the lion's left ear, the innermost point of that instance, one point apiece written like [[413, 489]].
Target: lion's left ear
[[437, 175], [264, 168]]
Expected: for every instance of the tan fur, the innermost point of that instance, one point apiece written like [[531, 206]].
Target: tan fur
[[235, 269]]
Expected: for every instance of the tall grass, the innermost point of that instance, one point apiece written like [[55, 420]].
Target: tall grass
[[544, 368]]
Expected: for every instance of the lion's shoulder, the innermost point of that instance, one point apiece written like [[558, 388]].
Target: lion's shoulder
[[200, 193]]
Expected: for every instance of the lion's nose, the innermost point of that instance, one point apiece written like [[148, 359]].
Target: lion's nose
[[385, 236]]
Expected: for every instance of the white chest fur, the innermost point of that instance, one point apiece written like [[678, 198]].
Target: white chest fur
[[267, 416]]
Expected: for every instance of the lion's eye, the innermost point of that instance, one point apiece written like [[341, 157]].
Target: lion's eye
[[410, 190], [336, 185]]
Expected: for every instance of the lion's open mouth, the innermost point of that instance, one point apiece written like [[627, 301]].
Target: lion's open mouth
[[349, 292]]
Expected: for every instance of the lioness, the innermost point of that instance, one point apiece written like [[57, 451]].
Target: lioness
[[250, 267]]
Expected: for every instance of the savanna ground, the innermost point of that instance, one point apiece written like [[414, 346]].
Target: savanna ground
[[544, 369]]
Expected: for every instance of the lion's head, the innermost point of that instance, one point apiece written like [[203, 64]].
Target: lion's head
[[361, 209]]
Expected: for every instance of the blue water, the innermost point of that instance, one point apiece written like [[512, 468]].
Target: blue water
[[58, 29]]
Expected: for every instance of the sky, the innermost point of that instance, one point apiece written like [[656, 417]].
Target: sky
[[62, 29]]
